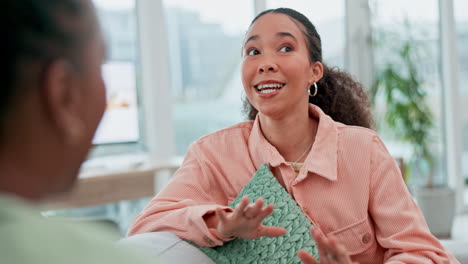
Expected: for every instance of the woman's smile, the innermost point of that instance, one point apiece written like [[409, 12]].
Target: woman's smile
[[269, 88]]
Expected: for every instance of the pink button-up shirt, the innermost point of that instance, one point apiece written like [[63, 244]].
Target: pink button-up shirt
[[349, 187]]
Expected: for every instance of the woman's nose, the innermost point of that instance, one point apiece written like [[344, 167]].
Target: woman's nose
[[267, 67]]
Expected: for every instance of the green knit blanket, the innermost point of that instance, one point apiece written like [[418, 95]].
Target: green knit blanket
[[286, 214]]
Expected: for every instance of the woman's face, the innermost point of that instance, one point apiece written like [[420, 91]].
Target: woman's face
[[276, 70]]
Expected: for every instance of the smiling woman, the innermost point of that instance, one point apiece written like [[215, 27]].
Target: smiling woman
[[310, 125], [299, 50]]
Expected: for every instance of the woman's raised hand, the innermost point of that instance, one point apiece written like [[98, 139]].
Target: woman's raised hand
[[246, 221], [329, 250]]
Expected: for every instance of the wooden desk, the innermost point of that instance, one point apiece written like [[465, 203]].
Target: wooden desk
[[98, 188]]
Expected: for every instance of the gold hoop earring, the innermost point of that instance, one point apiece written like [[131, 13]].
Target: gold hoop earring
[[315, 90]]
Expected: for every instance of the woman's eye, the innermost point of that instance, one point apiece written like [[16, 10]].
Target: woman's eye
[[252, 52], [286, 49]]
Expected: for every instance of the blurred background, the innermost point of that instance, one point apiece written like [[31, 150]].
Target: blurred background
[[173, 75]]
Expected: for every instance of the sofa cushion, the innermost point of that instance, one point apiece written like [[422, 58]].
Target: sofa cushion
[[286, 214]]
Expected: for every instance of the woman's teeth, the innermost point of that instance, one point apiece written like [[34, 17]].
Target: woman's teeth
[[269, 87], [268, 90]]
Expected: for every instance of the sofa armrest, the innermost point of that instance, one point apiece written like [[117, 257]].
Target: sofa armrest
[[459, 248], [166, 247]]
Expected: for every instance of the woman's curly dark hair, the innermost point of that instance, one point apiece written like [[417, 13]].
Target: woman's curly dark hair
[[339, 95]]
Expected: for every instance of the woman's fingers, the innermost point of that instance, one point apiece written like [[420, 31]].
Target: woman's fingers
[[253, 209], [306, 258], [270, 231], [246, 220], [221, 214], [240, 208], [256, 210], [340, 251], [329, 249], [320, 241], [258, 206], [267, 211], [258, 219]]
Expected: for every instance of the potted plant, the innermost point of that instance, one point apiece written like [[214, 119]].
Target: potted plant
[[400, 85]]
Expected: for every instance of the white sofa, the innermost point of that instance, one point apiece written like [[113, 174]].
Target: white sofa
[[169, 248], [459, 248]]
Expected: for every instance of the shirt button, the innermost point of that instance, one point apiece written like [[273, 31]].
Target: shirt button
[[366, 238]]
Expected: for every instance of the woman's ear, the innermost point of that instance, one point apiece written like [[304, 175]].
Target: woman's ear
[[61, 98], [316, 71]]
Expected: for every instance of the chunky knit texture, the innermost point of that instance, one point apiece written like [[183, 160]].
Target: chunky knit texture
[[286, 214]]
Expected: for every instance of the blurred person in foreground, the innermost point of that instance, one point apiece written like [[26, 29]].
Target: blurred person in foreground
[[51, 102]]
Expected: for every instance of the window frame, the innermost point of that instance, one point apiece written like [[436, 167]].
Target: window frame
[[117, 148], [451, 103]]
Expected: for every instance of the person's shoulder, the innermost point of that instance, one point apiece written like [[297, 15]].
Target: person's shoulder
[[236, 133], [29, 238], [53, 241], [356, 132], [364, 137], [230, 142], [99, 242]]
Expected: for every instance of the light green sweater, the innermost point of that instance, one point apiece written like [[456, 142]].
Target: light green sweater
[[26, 237]]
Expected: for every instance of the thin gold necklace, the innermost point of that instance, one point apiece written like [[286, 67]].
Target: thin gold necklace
[[304, 153], [295, 164]]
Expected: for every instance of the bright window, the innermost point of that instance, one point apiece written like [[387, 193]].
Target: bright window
[[461, 31], [393, 22], [120, 122], [205, 40]]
